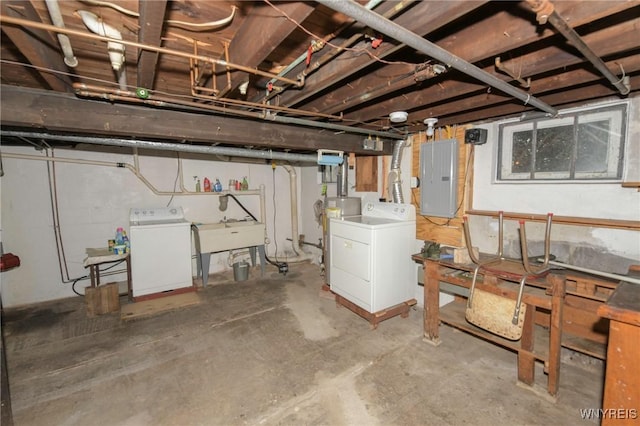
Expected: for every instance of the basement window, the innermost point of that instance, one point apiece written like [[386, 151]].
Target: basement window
[[586, 144]]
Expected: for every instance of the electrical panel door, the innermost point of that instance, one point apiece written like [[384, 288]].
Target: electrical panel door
[[439, 178]]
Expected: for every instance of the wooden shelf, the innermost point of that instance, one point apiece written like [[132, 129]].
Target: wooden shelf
[[453, 314]]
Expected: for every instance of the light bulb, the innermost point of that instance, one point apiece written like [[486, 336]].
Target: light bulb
[[430, 131]]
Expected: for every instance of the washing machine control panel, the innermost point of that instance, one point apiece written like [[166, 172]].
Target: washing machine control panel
[[395, 211], [141, 216]]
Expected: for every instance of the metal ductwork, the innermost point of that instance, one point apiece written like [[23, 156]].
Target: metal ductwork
[[401, 34], [394, 174]]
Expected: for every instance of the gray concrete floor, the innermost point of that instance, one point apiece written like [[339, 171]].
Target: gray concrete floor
[[269, 352]]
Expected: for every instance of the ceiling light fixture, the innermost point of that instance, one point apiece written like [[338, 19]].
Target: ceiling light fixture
[[430, 122], [398, 116]]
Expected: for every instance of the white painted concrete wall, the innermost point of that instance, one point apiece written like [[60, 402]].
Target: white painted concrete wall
[[591, 200], [94, 200]]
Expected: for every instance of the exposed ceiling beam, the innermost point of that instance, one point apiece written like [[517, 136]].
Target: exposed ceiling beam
[[151, 21], [542, 61], [567, 99], [261, 32], [37, 46], [484, 40], [589, 81], [58, 112], [433, 15]]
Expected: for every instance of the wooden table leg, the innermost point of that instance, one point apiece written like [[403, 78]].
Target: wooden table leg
[[431, 303], [526, 359], [129, 284], [558, 286], [93, 273]]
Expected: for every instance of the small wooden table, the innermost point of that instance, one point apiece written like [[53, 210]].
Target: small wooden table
[[621, 403], [98, 256]]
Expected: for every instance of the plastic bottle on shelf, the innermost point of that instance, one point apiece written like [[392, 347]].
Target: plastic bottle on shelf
[[126, 242], [207, 185], [217, 187], [198, 185], [245, 184], [119, 237]]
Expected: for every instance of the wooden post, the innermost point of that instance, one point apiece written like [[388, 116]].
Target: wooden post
[[526, 359], [558, 284], [431, 302]]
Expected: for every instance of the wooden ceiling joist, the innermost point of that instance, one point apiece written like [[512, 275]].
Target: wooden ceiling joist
[[37, 46], [262, 30], [151, 23]]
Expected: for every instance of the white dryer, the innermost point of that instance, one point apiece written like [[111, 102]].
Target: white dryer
[[370, 256], [160, 250]]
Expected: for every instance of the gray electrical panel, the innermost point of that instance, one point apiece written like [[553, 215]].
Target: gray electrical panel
[[439, 178]]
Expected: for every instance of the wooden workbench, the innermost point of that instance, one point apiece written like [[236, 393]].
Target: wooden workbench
[[621, 403], [561, 311]]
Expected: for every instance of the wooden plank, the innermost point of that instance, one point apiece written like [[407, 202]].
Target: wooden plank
[[622, 381], [431, 302], [633, 225], [102, 300], [555, 62], [433, 16], [526, 359], [63, 112], [261, 30], [443, 231], [555, 332], [151, 21], [152, 307], [37, 46], [367, 174], [375, 318]]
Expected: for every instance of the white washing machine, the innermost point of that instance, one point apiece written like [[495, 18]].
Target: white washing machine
[[160, 250], [370, 256]]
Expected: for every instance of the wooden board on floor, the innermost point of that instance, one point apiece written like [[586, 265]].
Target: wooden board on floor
[[155, 306]]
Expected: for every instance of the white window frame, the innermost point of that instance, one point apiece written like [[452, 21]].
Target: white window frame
[[616, 113]]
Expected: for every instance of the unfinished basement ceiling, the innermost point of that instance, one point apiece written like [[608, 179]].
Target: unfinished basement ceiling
[[302, 75]]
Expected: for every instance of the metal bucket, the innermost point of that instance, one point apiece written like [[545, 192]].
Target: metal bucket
[[240, 271]]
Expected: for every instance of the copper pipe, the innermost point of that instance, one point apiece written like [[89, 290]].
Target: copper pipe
[[31, 24], [399, 7], [157, 100]]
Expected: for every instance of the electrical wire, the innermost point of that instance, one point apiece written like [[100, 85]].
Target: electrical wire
[[464, 187], [75, 281], [351, 49], [183, 24]]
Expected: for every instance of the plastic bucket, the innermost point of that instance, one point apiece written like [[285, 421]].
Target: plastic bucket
[[240, 271]]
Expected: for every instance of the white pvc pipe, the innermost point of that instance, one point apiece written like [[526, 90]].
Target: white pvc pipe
[[293, 189], [65, 44], [115, 49]]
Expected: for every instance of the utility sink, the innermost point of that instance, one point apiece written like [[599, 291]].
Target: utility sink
[[224, 236]]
